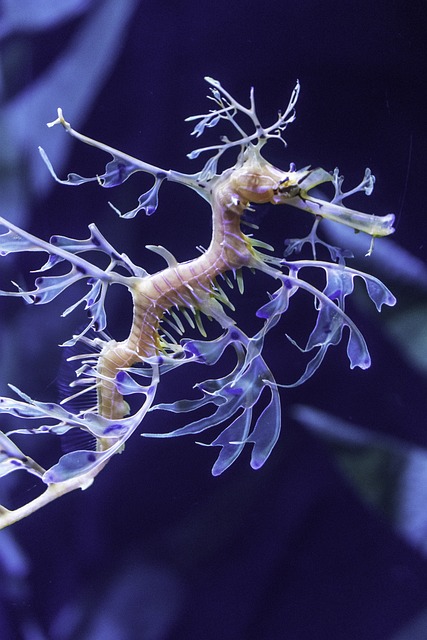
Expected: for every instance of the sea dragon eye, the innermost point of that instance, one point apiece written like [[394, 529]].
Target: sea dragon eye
[[290, 190]]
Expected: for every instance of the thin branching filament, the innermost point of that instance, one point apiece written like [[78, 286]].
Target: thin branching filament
[[123, 376]]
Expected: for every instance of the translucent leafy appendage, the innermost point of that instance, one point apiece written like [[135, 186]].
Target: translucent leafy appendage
[[295, 245], [76, 463], [59, 249], [233, 398], [226, 109], [74, 470], [330, 307], [117, 171], [12, 458]]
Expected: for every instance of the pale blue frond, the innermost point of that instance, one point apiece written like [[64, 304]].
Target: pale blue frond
[[61, 248], [328, 327], [234, 396], [194, 351], [95, 305], [210, 351], [78, 463], [210, 169], [328, 332], [331, 317], [28, 408], [212, 393], [126, 385], [12, 243], [232, 441], [75, 464], [295, 245], [366, 185], [339, 284], [24, 238], [378, 292], [147, 202], [95, 242], [117, 171], [267, 430], [64, 420], [229, 399], [227, 108], [13, 459], [49, 287], [263, 436], [279, 301]]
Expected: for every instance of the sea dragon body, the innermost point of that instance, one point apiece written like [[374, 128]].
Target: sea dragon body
[[135, 365]]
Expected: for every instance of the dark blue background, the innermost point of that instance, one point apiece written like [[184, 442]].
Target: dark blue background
[[157, 548]]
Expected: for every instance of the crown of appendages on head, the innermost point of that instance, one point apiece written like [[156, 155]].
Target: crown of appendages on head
[[184, 292]]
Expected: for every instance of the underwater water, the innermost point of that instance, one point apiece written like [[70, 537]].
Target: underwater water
[[329, 538]]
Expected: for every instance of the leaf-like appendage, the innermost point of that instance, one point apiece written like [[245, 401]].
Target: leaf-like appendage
[[117, 171], [234, 396], [13, 459]]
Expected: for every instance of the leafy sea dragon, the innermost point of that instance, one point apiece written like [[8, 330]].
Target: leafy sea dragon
[[134, 366]]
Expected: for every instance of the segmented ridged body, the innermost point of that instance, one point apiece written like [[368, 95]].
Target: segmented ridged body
[[185, 285]]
